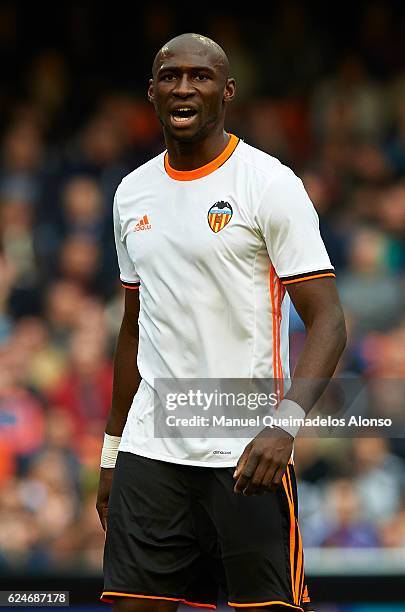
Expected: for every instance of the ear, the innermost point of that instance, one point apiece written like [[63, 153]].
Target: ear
[[150, 90], [230, 90]]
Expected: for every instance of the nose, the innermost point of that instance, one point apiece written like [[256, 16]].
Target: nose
[[183, 87]]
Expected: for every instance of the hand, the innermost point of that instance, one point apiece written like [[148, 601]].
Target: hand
[[262, 464], [103, 494]]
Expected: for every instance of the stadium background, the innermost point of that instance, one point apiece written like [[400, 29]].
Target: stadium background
[[319, 87]]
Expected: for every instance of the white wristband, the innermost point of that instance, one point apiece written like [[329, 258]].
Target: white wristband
[[289, 416], [109, 451]]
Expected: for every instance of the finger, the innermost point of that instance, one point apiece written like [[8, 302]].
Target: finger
[[241, 462], [247, 472], [273, 478], [257, 477], [278, 477]]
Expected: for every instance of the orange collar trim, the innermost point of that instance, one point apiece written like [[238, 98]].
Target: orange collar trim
[[191, 175]]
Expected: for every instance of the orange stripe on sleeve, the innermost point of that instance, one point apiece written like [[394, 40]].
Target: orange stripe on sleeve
[[305, 278]]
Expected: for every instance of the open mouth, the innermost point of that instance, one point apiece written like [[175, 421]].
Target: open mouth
[[183, 115]]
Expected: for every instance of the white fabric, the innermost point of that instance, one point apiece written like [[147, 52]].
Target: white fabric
[[205, 306], [109, 452], [289, 416]]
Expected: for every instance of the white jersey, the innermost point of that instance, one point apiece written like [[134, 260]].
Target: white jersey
[[213, 251]]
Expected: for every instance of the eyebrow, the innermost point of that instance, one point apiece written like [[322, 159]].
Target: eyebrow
[[192, 68]]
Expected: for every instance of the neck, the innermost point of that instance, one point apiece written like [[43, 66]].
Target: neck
[[192, 155]]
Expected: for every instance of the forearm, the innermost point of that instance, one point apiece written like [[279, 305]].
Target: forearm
[[126, 378], [324, 344]]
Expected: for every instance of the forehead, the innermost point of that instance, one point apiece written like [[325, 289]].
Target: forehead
[[186, 57]]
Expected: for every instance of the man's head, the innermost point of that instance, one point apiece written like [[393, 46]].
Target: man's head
[[190, 87]]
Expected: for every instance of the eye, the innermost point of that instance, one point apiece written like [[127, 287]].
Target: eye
[[202, 77], [168, 77]]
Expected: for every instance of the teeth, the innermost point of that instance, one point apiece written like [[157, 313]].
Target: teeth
[[179, 117]]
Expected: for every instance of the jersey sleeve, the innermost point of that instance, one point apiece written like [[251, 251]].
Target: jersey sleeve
[[128, 275], [289, 224]]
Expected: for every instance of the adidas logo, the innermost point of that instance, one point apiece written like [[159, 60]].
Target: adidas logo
[[143, 224]]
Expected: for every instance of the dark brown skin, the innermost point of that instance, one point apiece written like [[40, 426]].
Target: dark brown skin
[[263, 462], [192, 71], [125, 385]]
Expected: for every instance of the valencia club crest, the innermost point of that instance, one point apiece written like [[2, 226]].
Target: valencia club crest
[[219, 215]]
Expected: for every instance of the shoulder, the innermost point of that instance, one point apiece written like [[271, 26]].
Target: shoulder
[[264, 173], [269, 180], [141, 175], [264, 168]]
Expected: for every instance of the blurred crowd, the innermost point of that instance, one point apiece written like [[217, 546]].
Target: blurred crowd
[[337, 117]]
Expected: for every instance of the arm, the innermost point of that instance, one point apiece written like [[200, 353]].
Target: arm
[[264, 460], [125, 384], [126, 376], [317, 303]]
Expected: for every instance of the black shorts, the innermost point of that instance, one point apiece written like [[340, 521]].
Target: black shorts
[[180, 533]]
